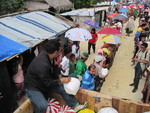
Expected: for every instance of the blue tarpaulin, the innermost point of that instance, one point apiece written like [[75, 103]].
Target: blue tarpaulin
[[9, 48]]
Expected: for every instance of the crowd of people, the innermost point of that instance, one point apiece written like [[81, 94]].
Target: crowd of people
[[57, 62], [141, 58]]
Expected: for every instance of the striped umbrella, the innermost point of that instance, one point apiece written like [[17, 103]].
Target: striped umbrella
[[111, 39]]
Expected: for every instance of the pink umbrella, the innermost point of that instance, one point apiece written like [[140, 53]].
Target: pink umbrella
[[109, 31], [141, 6]]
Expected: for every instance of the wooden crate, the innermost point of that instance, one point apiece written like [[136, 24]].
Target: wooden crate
[[124, 106], [136, 107], [97, 100], [26, 107], [84, 97], [115, 102]]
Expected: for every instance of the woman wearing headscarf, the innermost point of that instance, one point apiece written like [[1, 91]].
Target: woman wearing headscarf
[[130, 26]]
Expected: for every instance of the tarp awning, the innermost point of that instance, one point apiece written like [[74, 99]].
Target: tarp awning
[[10, 47], [84, 12], [27, 30]]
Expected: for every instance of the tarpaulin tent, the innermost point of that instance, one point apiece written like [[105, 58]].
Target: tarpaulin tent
[[18, 33], [80, 15]]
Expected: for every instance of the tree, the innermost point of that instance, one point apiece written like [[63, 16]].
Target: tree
[[10, 6], [84, 3]]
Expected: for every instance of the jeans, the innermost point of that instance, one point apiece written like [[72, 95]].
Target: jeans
[[145, 95], [40, 102], [89, 47], [138, 73]]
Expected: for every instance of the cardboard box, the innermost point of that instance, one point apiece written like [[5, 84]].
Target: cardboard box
[[100, 100]]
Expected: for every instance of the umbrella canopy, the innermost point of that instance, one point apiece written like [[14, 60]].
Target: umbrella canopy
[[141, 6], [132, 6], [120, 17], [78, 34], [111, 39], [128, 7], [92, 23], [112, 15], [123, 10], [109, 31]]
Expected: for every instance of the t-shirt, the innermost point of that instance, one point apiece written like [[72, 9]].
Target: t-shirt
[[88, 81], [72, 67], [65, 66], [94, 38], [81, 67], [98, 70], [141, 56], [119, 25], [76, 53]]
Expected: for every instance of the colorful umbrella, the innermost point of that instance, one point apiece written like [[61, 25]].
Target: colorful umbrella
[[123, 10], [112, 15], [111, 39], [109, 31], [78, 34], [128, 7], [92, 23], [133, 6]]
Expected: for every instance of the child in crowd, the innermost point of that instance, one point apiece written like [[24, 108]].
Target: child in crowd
[[106, 55], [18, 76], [72, 64], [65, 62], [100, 52], [76, 49]]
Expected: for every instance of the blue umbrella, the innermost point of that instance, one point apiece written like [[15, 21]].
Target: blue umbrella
[[120, 17], [123, 10], [92, 23]]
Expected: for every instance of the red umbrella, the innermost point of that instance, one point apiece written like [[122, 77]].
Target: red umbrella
[[132, 6], [109, 31], [112, 15], [128, 7]]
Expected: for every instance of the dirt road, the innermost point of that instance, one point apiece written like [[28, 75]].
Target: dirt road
[[121, 73]]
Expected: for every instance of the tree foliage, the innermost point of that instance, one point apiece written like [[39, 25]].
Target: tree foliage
[[10, 6], [84, 3]]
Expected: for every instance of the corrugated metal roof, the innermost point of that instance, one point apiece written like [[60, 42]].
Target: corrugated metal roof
[[29, 29]]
